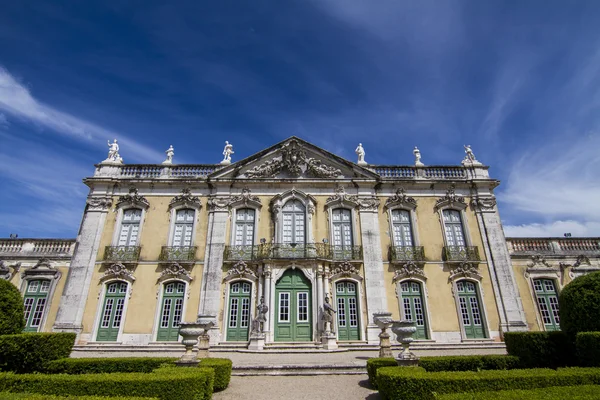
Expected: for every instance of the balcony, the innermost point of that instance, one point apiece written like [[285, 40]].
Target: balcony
[[461, 253], [293, 251], [122, 253], [553, 246], [37, 248], [178, 253], [406, 253], [243, 253], [343, 253]]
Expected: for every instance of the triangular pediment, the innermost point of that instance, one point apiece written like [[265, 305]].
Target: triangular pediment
[[294, 158]]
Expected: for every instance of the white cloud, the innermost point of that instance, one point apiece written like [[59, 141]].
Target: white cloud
[[3, 121], [17, 100], [554, 229]]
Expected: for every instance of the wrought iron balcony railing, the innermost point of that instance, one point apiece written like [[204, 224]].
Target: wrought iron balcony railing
[[178, 253], [461, 253], [243, 253], [122, 253], [344, 253], [406, 253], [292, 251]]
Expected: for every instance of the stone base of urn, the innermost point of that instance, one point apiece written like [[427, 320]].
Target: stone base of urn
[[384, 320], [204, 346], [187, 362], [329, 341], [257, 341], [408, 362]]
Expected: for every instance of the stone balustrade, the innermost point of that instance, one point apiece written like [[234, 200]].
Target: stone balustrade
[[553, 246], [37, 248]]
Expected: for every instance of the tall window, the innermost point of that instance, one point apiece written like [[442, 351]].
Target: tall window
[[547, 300], [130, 227], [244, 227], [294, 215], [413, 307], [454, 229], [470, 309], [112, 311], [171, 312], [184, 227], [36, 297], [342, 233], [402, 228]]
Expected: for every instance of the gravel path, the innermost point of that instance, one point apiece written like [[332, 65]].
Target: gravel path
[[327, 387]]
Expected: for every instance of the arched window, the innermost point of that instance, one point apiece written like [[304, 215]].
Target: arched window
[[342, 234], [35, 300], [294, 226], [403, 236], [244, 227], [130, 227], [547, 300], [470, 309], [455, 234], [171, 312], [184, 227], [413, 307], [112, 311]]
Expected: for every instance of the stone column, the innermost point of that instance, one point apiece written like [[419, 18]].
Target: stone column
[[77, 287], [320, 297], [508, 299], [271, 304], [373, 264], [212, 276]]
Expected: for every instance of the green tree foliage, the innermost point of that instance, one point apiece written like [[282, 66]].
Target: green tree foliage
[[12, 319], [579, 305]]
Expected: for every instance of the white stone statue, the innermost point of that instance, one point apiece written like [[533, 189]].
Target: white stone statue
[[417, 154], [360, 151], [113, 153], [227, 152], [469, 156], [170, 153]]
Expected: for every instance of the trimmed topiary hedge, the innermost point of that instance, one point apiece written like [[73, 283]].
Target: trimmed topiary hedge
[[373, 364], [588, 349], [29, 352], [31, 396], [73, 366], [222, 368], [468, 363], [584, 392], [541, 349], [579, 305], [12, 319], [171, 383]]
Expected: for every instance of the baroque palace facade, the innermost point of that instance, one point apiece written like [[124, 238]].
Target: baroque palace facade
[[294, 226]]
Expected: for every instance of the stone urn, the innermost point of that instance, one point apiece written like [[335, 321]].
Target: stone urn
[[384, 320], [205, 322], [190, 331], [404, 330]]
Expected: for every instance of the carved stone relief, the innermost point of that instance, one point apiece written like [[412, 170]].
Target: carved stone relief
[[241, 269], [344, 269], [368, 203], [464, 270], [451, 199], [133, 198], [175, 271], [185, 199], [340, 197], [409, 269], [117, 271], [400, 199], [42, 268], [483, 204], [8, 271], [98, 203]]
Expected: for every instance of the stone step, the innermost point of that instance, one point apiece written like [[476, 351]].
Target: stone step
[[298, 369]]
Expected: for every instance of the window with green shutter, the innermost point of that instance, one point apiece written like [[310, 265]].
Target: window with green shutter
[[171, 312], [35, 301], [470, 310], [413, 307], [547, 300], [112, 312]]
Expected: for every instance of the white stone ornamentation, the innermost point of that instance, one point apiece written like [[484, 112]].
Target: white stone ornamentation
[[417, 154], [185, 199], [239, 270], [117, 271], [227, 152], [401, 199], [345, 269], [43, 268], [133, 198], [113, 154], [98, 203], [5, 270], [170, 153], [451, 199], [175, 271], [469, 157], [360, 152], [408, 269], [464, 270]]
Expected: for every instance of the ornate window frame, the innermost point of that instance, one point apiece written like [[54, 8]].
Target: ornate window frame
[[278, 202], [539, 268], [132, 200], [358, 281], [184, 201], [341, 200], [422, 280], [452, 201], [159, 296], [400, 201], [100, 306], [42, 270], [241, 201], [485, 321], [228, 281]]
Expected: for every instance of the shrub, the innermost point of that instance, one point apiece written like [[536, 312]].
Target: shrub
[[29, 352], [468, 363], [402, 383], [222, 368], [541, 349], [588, 349], [579, 305], [584, 392], [30, 396], [373, 364], [74, 366], [172, 383], [12, 320]]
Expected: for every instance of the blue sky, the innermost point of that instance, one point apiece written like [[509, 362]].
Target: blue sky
[[519, 81]]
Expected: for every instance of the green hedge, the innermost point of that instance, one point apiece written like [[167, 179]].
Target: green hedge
[[541, 349], [579, 305], [28, 352], [398, 383], [171, 383], [583, 392], [588, 349], [73, 366], [222, 368], [468, 363], [12, 320], [31, 396], [373, 364]]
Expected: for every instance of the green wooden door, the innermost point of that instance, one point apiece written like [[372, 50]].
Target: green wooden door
[[112, 312], [171, 311], [239, 311], [293, 314], [547, 299], [347, 310], [413, 307], [35, 301], [470, 310]]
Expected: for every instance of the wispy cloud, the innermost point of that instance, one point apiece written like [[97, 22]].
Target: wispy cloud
[[3, 121], [553, 229], [16, 99]]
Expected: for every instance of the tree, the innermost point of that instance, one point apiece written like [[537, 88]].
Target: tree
[[12, 320], [579, 305]]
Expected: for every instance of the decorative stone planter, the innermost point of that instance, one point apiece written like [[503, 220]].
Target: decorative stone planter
[[404, 330], [384, 320], [190, 332], [206, 322]]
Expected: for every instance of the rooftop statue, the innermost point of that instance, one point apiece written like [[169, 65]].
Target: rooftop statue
[[360, 151], [113, 153], [470, 157], [170, 153], [227, 152], [417, 154]]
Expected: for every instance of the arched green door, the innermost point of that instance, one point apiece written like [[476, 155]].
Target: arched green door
[[171, 311], [413, 308], [112, 312], [293, 309], [470, 310], [347, 310], [239, 311]]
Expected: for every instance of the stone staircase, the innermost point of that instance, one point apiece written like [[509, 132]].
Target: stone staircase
[[298, 369]]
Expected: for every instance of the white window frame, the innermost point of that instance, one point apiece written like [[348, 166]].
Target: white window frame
[[100, 307], [463, 221], [309, 203], [484, 319], [227, 288], [119, 223], [51, 274], [361, 302], [549, 273], [413, 224], [353, 222], [425, 296], [234, 212], [161, 291], [173, 222]]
